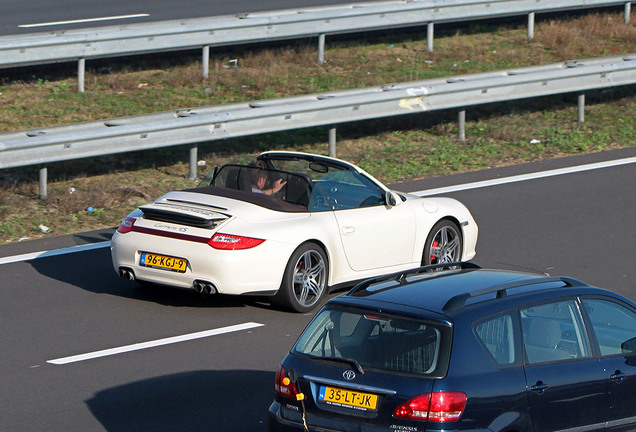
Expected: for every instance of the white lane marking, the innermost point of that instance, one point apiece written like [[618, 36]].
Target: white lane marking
[[155, 343], [524, 177], [54, 252], [110, 18]]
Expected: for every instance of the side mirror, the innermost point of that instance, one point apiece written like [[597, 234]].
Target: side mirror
[[629, 346], [392, 199]]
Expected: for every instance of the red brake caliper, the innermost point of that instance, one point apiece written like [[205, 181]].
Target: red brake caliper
[[434, 245]]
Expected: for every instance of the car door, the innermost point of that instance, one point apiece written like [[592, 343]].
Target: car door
[[614, 326], [564, 383], [373, 235]]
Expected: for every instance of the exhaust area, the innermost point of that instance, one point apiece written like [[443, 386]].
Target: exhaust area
[[204, 287], [200, 286], [126, 273]]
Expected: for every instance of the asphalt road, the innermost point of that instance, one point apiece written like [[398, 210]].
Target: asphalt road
[[18, 17], [577, 224]]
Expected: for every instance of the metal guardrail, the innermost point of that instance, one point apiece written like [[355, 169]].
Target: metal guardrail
[[70, 45], [83, 140]]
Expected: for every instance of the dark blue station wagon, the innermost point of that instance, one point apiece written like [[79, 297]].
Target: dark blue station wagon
[[463, 348]]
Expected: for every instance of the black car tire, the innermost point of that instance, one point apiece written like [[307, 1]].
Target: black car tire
[[444, 244], [302, 290]]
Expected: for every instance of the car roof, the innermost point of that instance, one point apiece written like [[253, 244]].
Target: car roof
[[446, 292]]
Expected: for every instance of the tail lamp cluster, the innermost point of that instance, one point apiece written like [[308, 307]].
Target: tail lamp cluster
[[233, 242], [438, 407], [126, 225], [218, 240], [284, 385]]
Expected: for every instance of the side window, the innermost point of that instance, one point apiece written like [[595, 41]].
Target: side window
[[614, 326], [496, 333], [554, 332]]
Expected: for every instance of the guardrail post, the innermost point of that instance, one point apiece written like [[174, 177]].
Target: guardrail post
[[205, 61], [332, 142], [462, 125], [81, 71], [321, 48], [628, 11], [430, 30], [581, 111], [531, 26], [193, 162], [43, 179]]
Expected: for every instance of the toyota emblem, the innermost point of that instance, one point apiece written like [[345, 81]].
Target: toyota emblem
[[349, 375]]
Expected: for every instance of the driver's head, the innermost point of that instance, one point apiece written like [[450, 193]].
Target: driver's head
[[258, 176]]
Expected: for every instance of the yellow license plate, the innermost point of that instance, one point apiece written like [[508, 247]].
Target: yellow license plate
[[163, 262], [348, 398]]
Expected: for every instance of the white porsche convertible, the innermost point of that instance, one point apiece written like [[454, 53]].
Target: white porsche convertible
[[289, 226]]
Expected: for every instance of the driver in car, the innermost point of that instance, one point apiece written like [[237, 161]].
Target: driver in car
[[258, 179]]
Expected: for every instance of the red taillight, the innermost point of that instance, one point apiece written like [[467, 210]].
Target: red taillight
[[415, 408], [283, 384], [233, 242], [447, 406], [126, 225], [438, 407]]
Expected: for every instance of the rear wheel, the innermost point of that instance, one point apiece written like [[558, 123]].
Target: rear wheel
[[444, 244], [305, 281]]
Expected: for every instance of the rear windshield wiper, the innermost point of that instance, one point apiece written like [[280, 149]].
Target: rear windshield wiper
[[350, 361]]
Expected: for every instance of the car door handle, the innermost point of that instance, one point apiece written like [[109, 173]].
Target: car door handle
[[539, 387], [618, 376], [348, 229]]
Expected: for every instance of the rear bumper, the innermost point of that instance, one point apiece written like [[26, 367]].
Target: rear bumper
[[275, 423], [258, 270]]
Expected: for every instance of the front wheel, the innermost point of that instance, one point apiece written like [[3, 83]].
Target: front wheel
[[305, 280], [443, 245]]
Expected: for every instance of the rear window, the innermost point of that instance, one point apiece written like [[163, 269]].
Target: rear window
[[378, 341]]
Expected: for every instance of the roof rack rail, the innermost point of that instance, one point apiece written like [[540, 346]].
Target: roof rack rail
[[459, 301], [400, 277]]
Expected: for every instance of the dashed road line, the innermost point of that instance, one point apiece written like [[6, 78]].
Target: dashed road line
[[152, 344]]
